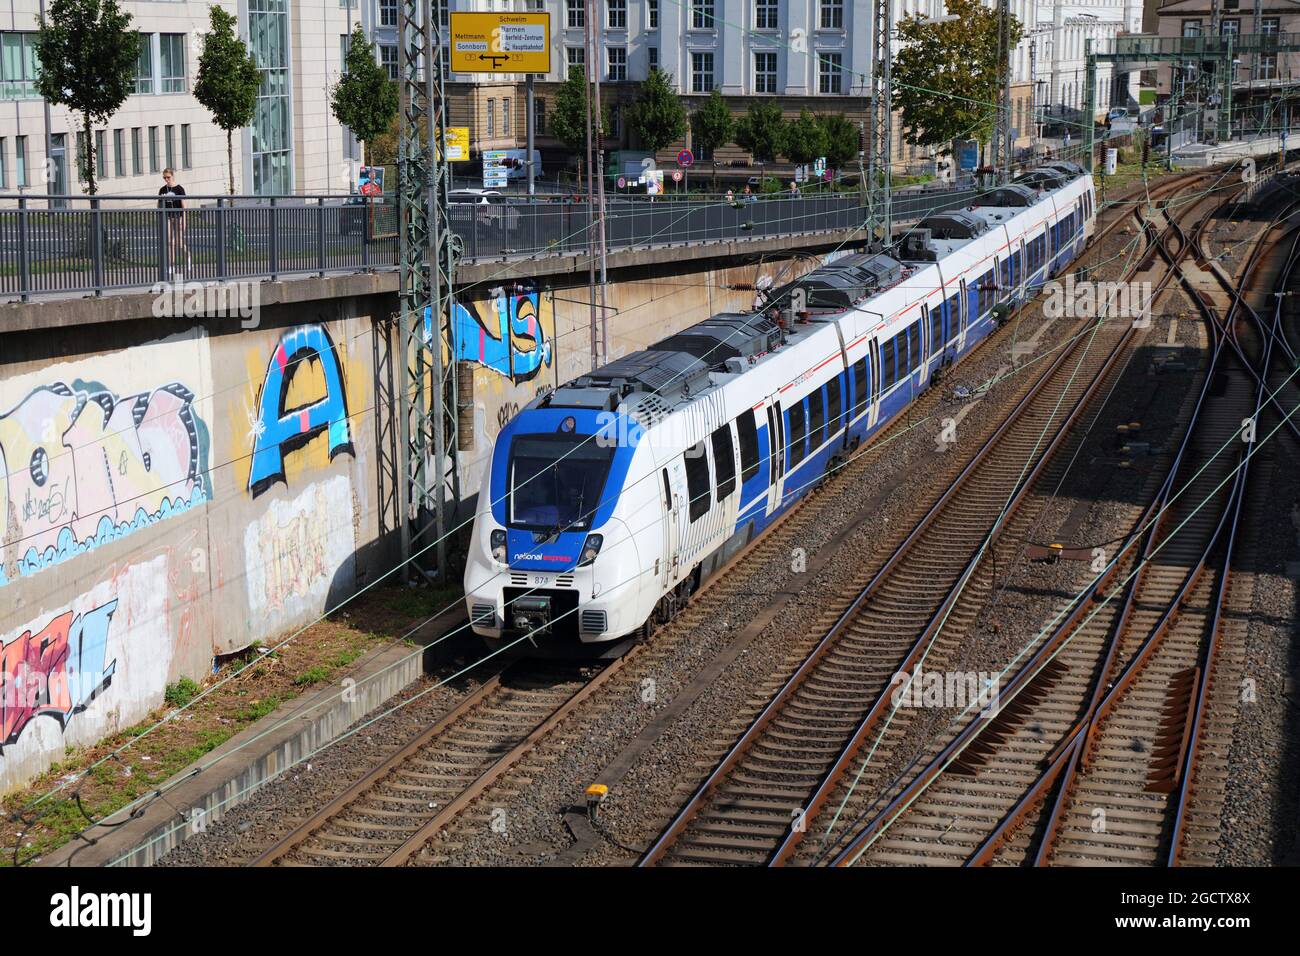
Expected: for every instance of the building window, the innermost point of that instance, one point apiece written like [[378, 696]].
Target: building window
[[169, 146], [830, 73], [701, 72], [101, 154], [137, 154], [119, 152], [1230, 28], [172, 47], [186, 161], [1268, 66], [766, 13], [832, 15], [764, 72], [577, 56], [652, 55], [144, 65], [388, 57], [539, 116], [20, 161], [1269, 25], [652, 14], [17, 66], [701, 14], [507, 128], [535, 6], [153, 149], [575, 14], [492, 117], [616, 11], [4, 169], [272, 133], [388, 13], [1191, 28], [617, 63]]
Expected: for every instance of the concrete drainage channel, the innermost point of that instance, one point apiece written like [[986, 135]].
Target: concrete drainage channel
[[238, 769]]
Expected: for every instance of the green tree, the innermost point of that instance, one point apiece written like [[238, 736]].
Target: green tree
[[658, 116], [569, 117], [762, 130], [228, 81], [87, 52], [364, 99], [841, 140], [803, 139], [946, 76], [712, 125]]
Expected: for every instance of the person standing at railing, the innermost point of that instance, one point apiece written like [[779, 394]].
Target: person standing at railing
[[174, 209]]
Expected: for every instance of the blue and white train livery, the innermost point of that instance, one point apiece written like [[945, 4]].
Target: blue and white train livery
[[609, 500]]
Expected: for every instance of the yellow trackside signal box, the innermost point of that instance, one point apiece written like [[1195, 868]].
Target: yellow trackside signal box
[[500, 42]]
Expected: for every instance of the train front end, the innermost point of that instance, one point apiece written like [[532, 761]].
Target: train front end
[[552, 568]]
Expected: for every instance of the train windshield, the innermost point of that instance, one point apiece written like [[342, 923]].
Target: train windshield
[[556, 481]]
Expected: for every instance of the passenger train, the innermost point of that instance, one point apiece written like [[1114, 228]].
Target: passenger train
[[611, 499]]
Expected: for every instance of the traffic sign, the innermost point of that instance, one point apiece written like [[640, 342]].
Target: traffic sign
[[685, 158], [494, 168], [622, 182], [677, 175], [457, 144], [500, 42]]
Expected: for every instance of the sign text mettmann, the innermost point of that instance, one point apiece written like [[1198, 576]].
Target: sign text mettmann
[[500, 42]]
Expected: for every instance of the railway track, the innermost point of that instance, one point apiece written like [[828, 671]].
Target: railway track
[[391, 815], [769, 787], [1136, 759]]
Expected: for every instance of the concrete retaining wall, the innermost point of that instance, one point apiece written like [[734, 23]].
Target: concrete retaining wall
[[175, 489]]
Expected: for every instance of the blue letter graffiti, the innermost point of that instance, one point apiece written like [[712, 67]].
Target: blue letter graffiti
[[280, 430]]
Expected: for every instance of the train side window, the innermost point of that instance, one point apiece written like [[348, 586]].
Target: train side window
[[953, 317], [798, 429], [697, 480], [935, 317], [724, 462], [860, 385], [816, 417], [914, 346], [668, 493], [747, 432], [900, 353], [887, 373], [833, 403]]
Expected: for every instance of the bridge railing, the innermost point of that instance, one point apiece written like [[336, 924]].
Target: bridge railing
[[77, 244]]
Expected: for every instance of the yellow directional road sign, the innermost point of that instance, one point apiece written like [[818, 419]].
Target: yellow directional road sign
[[457, 144], [500, 42]]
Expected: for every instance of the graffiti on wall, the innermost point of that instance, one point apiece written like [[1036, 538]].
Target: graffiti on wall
[[284, 420], [81, 466], [512, 333], [294, 552], [55, 672]]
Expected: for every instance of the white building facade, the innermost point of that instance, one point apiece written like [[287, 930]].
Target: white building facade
[[293, 146]]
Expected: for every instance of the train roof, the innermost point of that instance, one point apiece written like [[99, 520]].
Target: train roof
[[651, 383]]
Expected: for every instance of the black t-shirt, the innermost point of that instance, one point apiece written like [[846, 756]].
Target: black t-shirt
[[171, 191]]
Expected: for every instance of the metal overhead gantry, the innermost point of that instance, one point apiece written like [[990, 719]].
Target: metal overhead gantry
[[879, 174], [426, 404], [1148, 52]]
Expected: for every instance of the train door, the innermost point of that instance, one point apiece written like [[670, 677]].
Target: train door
[[775, 453], [959, 320], [673, 494], [873, 350]]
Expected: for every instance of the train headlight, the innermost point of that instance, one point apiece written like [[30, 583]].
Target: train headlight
[[590, 548], [499, 546]]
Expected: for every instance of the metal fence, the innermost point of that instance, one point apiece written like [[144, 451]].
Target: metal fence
[[75, 244]]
